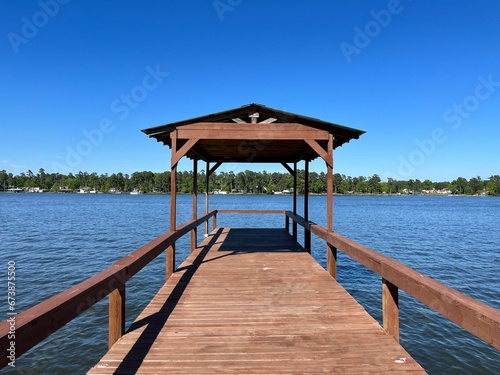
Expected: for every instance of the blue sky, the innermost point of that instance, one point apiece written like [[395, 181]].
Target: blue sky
[[80, 79]]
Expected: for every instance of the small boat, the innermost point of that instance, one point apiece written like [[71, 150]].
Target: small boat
[[15, 190], [136, 192]]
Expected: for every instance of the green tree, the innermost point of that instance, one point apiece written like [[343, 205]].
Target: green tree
[[427, 185], [461, 185], [476, 185], [494, 185], [337, 182], [373, 184], [4, 177]]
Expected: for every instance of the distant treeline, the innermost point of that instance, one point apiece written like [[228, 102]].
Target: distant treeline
[[248, 182]]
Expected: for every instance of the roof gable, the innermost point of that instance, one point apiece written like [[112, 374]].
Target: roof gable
[[265, 133]]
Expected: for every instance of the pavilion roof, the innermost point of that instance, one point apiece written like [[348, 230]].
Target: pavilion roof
[[253, 133]]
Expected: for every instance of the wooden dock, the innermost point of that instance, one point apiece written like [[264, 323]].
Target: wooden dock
[[252, 301]]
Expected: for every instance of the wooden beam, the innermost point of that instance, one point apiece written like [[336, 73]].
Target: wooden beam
[[170, 258], [288, 168], [183, 150], [281, 126], [325, 155], [207, 187], [331, 260], [268, 121], [294, 226], [251, 212], [116, 315], [252, 134], [238, 120], [329, 186], [249, 131], [307, 232], [331, 251], [214, 168], [194, 231], [307, 154], [199, 154], [390, 308]]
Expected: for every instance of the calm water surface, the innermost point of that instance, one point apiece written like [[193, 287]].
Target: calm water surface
[[58, 240]]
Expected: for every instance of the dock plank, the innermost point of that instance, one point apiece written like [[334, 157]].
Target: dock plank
[[251, 301]]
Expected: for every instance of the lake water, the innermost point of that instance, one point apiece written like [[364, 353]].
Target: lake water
[[58, 240]]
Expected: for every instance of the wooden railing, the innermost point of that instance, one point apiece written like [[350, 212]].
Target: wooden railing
[[474, 316], [248, 212], [37, 323], [264, 212]]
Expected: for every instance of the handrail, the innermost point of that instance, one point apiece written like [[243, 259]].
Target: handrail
[[255, 212], [40, 321], [259, 212], [474, 316]]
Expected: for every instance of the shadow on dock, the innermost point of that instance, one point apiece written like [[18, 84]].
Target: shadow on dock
[[155, 322]]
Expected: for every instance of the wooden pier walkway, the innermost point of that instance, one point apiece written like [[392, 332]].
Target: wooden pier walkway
[[252, 301]]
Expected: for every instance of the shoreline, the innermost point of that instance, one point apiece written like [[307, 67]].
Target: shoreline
[[239, 194]]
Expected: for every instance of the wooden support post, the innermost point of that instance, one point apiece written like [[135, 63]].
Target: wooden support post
[[331, 260], [214, 222], [294, 225], [287, 223], [173, 206], [194, 232], [207, 186], [170, 260], [331, 251], [390, 308], [329, 186], [116, 315], [307, 232]]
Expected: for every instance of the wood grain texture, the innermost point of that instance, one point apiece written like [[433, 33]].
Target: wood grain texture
[[474, 316], [253, 301]]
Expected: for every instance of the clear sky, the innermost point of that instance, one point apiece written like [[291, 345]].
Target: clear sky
[[80, 79]]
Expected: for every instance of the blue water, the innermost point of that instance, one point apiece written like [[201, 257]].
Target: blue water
[[58, 240]]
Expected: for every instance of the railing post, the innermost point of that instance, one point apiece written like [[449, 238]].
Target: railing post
[[170, 260], [390, 308], [170, 266], [307, 232], [207, 187], [331, 260], [287, 223], [194, 232], [294, 223], [307, 239], [116, 315], [214, 222]]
